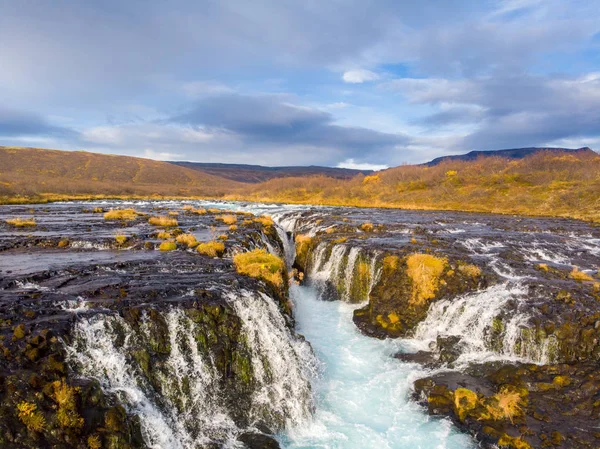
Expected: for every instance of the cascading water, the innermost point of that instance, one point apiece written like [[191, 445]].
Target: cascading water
[[282, 364], [179, 397], [361, 392], [484, 335]]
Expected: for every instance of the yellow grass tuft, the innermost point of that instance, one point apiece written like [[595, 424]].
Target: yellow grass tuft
[[506, 404], [233, 228], [66, 398], [373, 179], [367, 227], [425, 271], [167, 246], [391, 263], [228, 219], [265, 220], [163, 221], [543, 267], [173, 213], [260, 264], [580, 275], [187, 207], [164, 235], [120, 239], [187, 239], [98, 210], [223, 237], [21, 222], [94, 442], [30, 416], [211, 249], [121, 214], [470, 270], [464, 401], [199, 211]]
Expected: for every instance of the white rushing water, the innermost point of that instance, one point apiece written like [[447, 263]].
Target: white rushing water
[[362, 393]]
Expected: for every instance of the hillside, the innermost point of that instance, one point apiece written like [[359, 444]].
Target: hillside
[[31, 172], [515, 153], [549, 183], [553, 183], [254, 174]]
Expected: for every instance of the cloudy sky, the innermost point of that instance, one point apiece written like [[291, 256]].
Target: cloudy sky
[[330, 82]]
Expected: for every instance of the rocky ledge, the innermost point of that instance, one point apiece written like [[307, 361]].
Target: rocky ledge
[[505, 310], [119, 334]]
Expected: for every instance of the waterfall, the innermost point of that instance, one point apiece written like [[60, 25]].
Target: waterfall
[[282, 363], [477, 318], [179, 393], [96, 354]]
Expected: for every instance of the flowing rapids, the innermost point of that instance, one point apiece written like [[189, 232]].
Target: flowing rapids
[[181, 407], [362, 393]]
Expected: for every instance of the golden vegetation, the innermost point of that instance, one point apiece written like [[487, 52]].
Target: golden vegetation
[[580, 275], [120, 239], [540, 184], [94, 442], [163, 221], [265, 220], [228, 219], [260, 264], [167, 246], [367, 227], [66, 398], [21, 222], [233, 228], [425, 271], [465, 400], [30, 416], [506, 404], [470, 270], [200, 211], [121, 214], [304, 243], [187, 239], [40, 175], [211, 249], [391, 263], [164, 235]]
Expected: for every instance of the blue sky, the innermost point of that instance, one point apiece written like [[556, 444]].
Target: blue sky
[[338, 83]]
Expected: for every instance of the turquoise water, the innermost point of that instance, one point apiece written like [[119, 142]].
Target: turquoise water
[[362, 393]]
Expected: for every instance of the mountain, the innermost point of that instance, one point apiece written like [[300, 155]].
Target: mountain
[[257, 173], [33, 171], [516, 153]]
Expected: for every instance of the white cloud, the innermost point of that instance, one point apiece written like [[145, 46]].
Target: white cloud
[[359, 76], [350, 163], [161, 156]]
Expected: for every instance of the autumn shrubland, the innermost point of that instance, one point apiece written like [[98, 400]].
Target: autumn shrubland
[[566, 185], [545, 183]]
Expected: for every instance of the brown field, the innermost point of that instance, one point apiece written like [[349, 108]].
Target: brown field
[[551, 184]]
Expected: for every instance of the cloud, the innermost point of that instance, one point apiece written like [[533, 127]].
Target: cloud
[[275, 119], [359, 76], [15, 123], [510, 111], [350, 163]]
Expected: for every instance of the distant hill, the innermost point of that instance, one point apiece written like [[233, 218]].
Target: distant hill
[[529, 181], [257, 173], [33, 171], [516, 153]]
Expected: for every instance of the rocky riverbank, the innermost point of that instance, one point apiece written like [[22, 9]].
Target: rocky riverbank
[[504, 311], [118, 333]]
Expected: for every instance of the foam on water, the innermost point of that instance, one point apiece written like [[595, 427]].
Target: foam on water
[[362, 393]]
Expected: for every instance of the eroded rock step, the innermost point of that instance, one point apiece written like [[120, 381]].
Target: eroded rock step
[[507, 308], [119, 333]]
